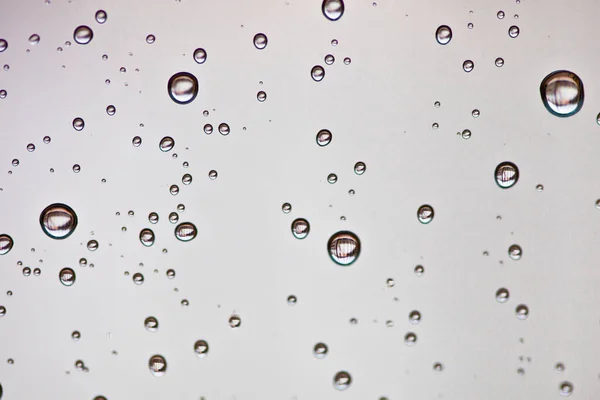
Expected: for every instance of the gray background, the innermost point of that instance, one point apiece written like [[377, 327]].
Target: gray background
[[245, 259]]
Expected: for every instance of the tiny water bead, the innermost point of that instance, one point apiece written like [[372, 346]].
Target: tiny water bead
[[186, 179], [414, 317], [468, 66], [173, 217], [76, 335], [443, 34], [200, 55], [515, 252], [522, 311], [47, 139], [514, 31], [300, 228], [67, 276], [291, 300], [425, 214], [559, 367], [30, 147], [475, 113], [360, 168], [201, 348], [320, 350], [166, 144], [438, 367], [224, 129], [170, 273], [174, 190], [342, 380], [235, 321], [150, 39], [390, 282], [83, 35], [286, 208], [147, 237], [329, 59], [212, 174], [111, 110], [410, 339], [157, 365], [500, 14], [138, 278], [78, 124], [466, 134], [182, 87], [502, 295], [136, 141], [92, 245], [208, 129], [470, 25], [34, 39], [260, 41], [186, 231], [151, 324], [58, 221], [317, 73], [347, 60], [562, 93], [333, 9], [101, 16], [344, 248], [261, 96], [499, 62], [565, 388], [506, 174], [332, 178], [324, 137], [6, 244], [153, 217], [26, 271]]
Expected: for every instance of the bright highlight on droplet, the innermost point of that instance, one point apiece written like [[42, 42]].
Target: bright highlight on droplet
[[562, 93]]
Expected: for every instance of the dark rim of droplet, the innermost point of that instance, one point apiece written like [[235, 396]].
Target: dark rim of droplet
[[428, 219], [335, 236], [11, 242], [506, 164], [188, 225], [437, 32], [83, 27], [64, 282], [324, 6], [57, 205], [579, 83], [178, 75], [305, 233]]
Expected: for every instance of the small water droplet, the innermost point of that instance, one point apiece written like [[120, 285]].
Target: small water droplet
[[58, 221], [300, 228], [201, 348], [565, 388], [166, 144], [101, 16], [92, 245], [559, 367], [562, 93], [334, 42], [470, 25], [539, 187], [185, 303], [438, 367], [174, 190], [475, 113], [261, 96], [224, 129], [324, 137], [150, 39], [235, 321], [329, 59], [6, 244], [291, 300], [185, 231], [443, 34], [500, 14], [513, 31], [170, 273], [515, 252], [3, 94], [26, 271], [3, 45], [76, 168], [151, 324], [147, 237], [333, 9], [2, 311], [138, 278], [347, 60], [286, 208], [320, 350], [83, 34], [499, 62], [157, 365], [82, 262], [466, 134], [182, 87], [317, 73], [30, 147], [414, 317], [186, 179], [425, 214], [390, 282], [260, 41], [67, 276], [344, 248], [410, 339], [111, 110], [502, 295], [506, 174], [435, 125], [468, 66], [522, 311], [136, 141], [332, 178], [200, 55], [360, 168], [76, 335], [208, 129], [78, 124], [212, 174]]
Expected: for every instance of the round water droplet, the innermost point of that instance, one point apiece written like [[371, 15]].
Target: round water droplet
[[513, 31], [261, 96], [224, 129], [147, 237], [182, 87], [332, 178], [443, 34], [506, 174], [76, 168], [502, 295], [171, 273], [174, 190], [438, 367], [342, 380], [151, 324], [565, 388], [3, 45], [34, 39], [82, 262], [286, 208], [539, 187], [559, 367], [200, 55], [166, 144], [185, 231], [2, 311], [58, 221], [157, 365], [153, 217], [347, 60], [425, 214], [111, 110], [208, 129], [78, 124], [414, 317], [499, 62], [101, 16], [136, 141], [3, 94], [475, 113], [500, 14], [291, 300], [466, 134], [83, 34], [30, 147], [324, 137], [212, 174], [235, 321], [186, 179], [562, 93], [329, 59], [201, 348], [522, 311], [300, 228], [410, 339], [360, 168], [76, 335], [390, 282], [138, 278], [334, 42], [260, 41], [6, 244], [150, 39], [26, 271], [317, 73], [92, 245], [515, 252], [333, 9], [320, 350], [468, 66], [67, 276], [470, 25], [344, 248]]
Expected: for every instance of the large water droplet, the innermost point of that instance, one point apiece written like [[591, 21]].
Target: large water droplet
[[166, 144], [333, 9], [324, 137], [83, 34], [344, 247], [58, 221], [34, 39], [185, 231], [6, 244], [147, 237], [342, 380], [101, 16], [67, 276], [260, 41], [201, 348], [300, 228], [200, 55], [182, 87], [157, 365], [138, 278], [317, 73], [320, 350], [443, 34], [562, 93], [506, 174]]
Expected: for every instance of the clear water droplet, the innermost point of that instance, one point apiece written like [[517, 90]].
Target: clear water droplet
[[185, 303], [317, 73], [174, 190], [342, 380], [499, 62], [475, 113], [3, 45], [562, 93], [468, 66], [502, 295], [138, 278], [82, 262], [329, 59], [26, 271], [201, 348], [76, 335], [425, 214], [185, 231], [6, 244], [506, 174], [157, 365], [67, 276], [300, 228], [34, 39], [334, 42], [182, 87], [101, 16], [390, 282], [410, 339], [235, 321], [153, 217], [466, 134], [344, 248], [147, 237], [58, 221], [500, 14], [522, 311], [320, 350], [333, 9], [78, 124], [30, 147], [261, 96], [151, 324], [566, 389], [2, 311], [3, 94], [443, 34], [150, 39], [539, 187], [212, 174], [208, 129], [347, 60], [260, 41], [83, 34], [171, 273], [200, 55], [47, 139], [470, 25], [186, 179], [515, 252], [324, 137], [224, 129], [360, 168], [286, 208], [291, 300], [166, 144], [514, 31], [136, 141], [414, 317], [559, 367], [92, 245], [111, 110]]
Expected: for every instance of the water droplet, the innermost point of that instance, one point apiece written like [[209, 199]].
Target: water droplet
[[26, 271], [212, 174], [138, 278], [78, 124], [182, 87], [499, 62], [150, 39], [34, 39], [435, 125], [443, 34], [344, 248], [291, 300], [224, 129], [201, 348], [136, 141], [157, 365], [425, 214], [153, 217], [37, 272], [513, 31], [317, 73], [200, 55], [466, 134], [79, 365], [47, 139], [186, 179], [101, 16], [76, 335], [470, 25], [92, 245], [286, 208], [166, 144], [76, 168], [333, 9], [261, 96], [500, 14], [82, 262], [111, 110], [174, 190], [360, 168], [6, 244], [506, 174], [300, 228], [347, 60], [320, 350], [2, 311], [235, 321], [185, 231], [562, 93], [208, 129], [147, 237], [324, 137], [332, 178], [410, 339], [414, 317], [390, 282], [475, 113], [3, 94], [502, 295], [565, 388], [342, 380], [515, 252], [438, 367], [67, 276], [559, 367], [539, 187], [329, 59], [334, 42], [83, 35], [151, 324], [185, 303], [522, 311], [260, 41], [3, 45], [58, 221], [468, 66], [171, 273]]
